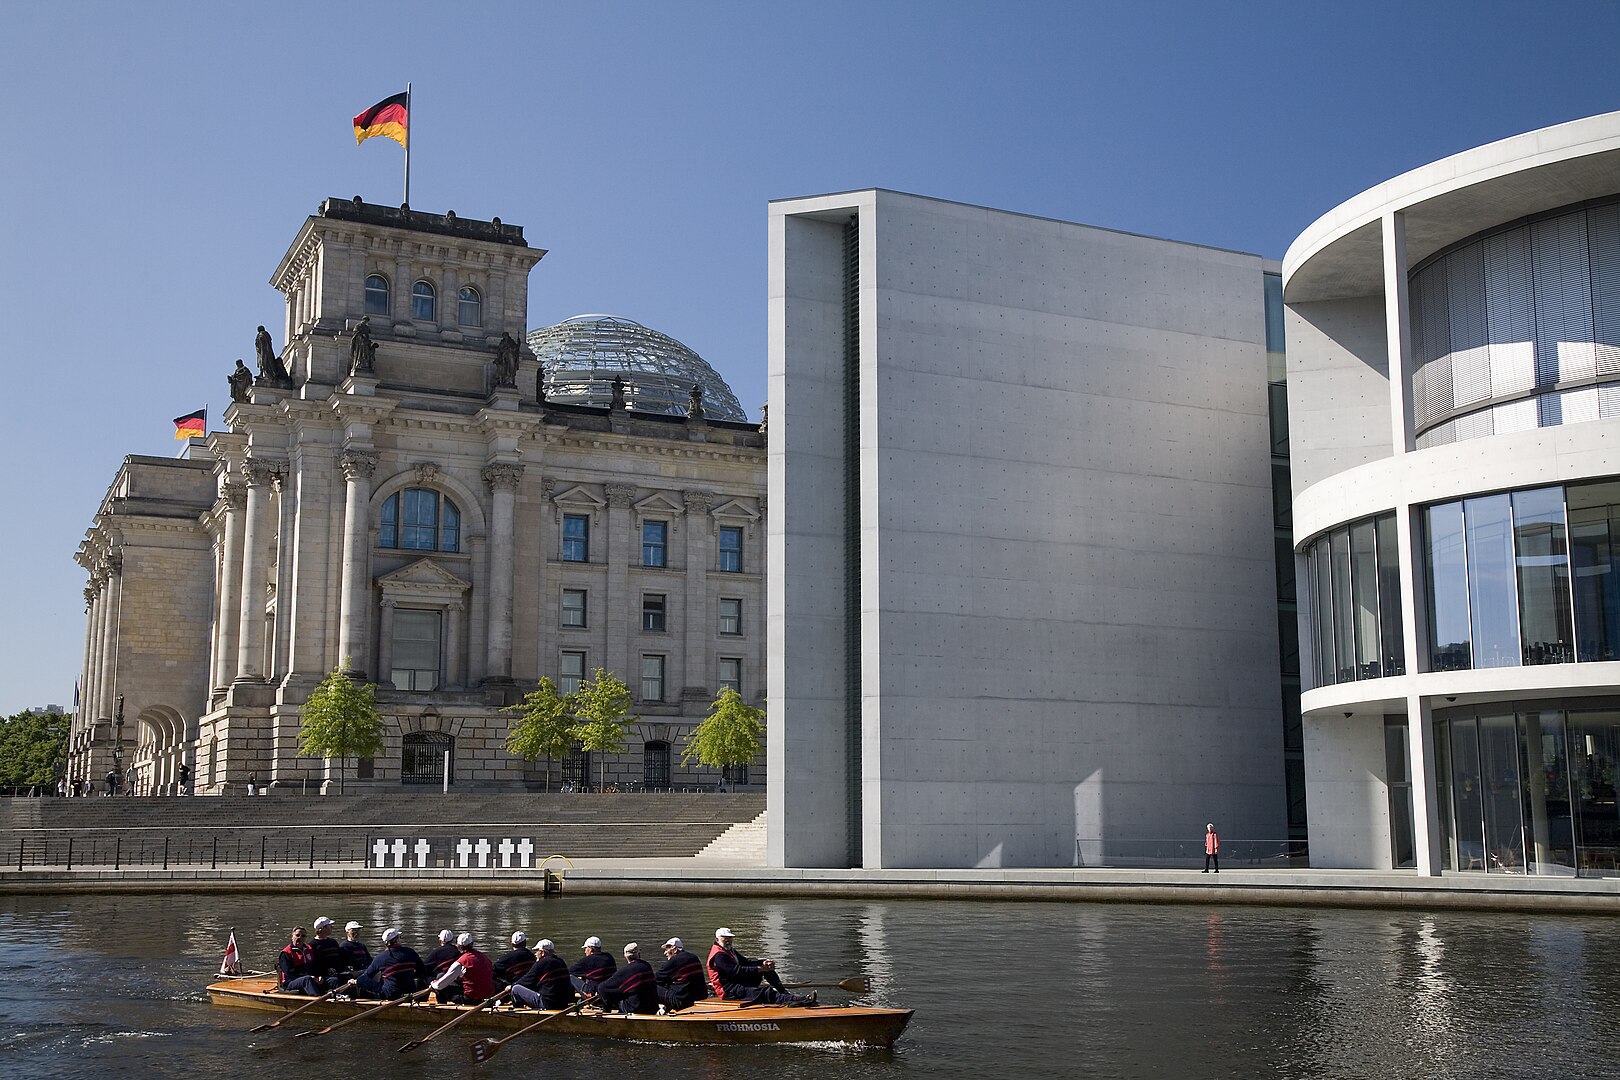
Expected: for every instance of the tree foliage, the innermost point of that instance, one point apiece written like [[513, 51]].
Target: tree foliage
[[341, 721], [544, 726], [732, 734], [33, 748], [602, 716]]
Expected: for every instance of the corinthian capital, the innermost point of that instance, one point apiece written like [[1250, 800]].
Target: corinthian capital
[[619, 495], [234, 492], [358, 464], [260, 472], [503, 475], [697, 502]]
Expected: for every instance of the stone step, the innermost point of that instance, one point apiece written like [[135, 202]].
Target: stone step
[[743, 842]]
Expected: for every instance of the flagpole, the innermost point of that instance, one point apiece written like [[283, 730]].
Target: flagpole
[[410, 137]]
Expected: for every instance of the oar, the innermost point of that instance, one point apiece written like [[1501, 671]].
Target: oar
[[856, 985], [484, 1049], [329, 1028], [328, 996], [436, 1032]]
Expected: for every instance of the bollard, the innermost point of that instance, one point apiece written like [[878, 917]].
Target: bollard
[[312, 851], [213, 863], [118, 853], [263, 840], [21, 840], [165, 853], [70, 853]]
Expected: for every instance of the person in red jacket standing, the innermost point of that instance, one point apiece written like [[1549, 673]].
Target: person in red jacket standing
[[1212, 848]]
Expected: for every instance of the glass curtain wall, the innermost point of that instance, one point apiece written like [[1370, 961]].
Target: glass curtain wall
[[1355, 582], [1531, 791]]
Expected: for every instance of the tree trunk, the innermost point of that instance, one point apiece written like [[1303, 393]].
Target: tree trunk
[[548, 775]]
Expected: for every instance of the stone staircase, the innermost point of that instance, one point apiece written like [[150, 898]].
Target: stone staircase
[[741, 845]]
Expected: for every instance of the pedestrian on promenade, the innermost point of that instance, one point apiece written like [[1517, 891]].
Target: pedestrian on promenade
[[253, 782], [1212, 848]]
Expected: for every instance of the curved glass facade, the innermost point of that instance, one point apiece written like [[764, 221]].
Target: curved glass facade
[[1519, 328], [1530, 789], [582, 356], [1523, 578], [1355, 578]]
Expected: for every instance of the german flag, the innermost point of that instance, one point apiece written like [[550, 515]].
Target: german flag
[[192, 425], [389, 118]]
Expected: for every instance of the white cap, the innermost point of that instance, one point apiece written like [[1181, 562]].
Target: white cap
[[546, 945], [353, 926], [464, 940], [632, 949], [446, 936], [321, 923], [724, 931], [592, 942], [674, 943], [519, 938], [391, 934]]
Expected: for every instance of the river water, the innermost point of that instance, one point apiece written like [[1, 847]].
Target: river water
[[97, 985]]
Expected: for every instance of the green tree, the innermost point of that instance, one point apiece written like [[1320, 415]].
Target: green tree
[[732, 734], [544, 726], [33, 748], [602, 716], [341, 721]]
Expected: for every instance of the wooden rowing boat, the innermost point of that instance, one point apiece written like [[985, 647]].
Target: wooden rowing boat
[[706, 1022]]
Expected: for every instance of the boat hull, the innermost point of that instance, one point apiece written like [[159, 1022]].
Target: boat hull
[[723, 1023]]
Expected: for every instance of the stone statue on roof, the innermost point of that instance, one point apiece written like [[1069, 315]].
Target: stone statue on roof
[[362, 350], [617, 401], [241, 381], [270, 370], [694, 403], [506, 361]]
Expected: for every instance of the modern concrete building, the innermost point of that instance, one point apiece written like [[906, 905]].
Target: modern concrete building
[[394, 492], [1022, 596], [1454, 385]]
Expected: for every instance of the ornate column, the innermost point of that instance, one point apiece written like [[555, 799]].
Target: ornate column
[[229, 617], [699, 619], [111, 589], [255, 570], [90, 693], [354, 614], [502, 478], [623, 609], [455, 614], [385, 642]]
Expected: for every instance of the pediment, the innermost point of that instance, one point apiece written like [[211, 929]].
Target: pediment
[[658, 505], [734, 510], [423, 575], [579, 495]]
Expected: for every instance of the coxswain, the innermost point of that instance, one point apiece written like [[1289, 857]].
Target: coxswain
[[439, 960], [633, 988], [590, 969], [328, 957], [296, 967], [546, 984], [511, 966], [396, 971], [469, 979], [680, 980], [735, 977], [356, 957]]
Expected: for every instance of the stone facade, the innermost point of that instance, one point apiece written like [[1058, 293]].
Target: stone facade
[[403, 515]]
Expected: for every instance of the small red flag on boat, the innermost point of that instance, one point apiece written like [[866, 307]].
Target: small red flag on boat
[[232, 962]]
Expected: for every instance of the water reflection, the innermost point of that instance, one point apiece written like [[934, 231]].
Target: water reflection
[[104, 983]]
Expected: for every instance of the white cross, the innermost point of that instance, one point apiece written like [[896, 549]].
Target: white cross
[[399, 853], [379, 852], [506, 852], [422, 850], [463, 851], [525, 852], [482, 847]]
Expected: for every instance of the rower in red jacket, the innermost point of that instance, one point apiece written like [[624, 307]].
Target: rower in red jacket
[[735, 977], [296, 966]]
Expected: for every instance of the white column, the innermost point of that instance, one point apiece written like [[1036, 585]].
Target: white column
[[1425, 792], [1398, 328], [354, 614], [502, 478], [255, 571], [110, 594], [229, 616], [90, 695]]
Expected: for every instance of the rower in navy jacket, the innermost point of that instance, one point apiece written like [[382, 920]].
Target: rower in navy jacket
[[735, 977], [633, 988], [439, 960], [545, 985], [356, 957], [680, 980], [296, 966], [512, 966], [589, 970], [396, 971], [328, 957]]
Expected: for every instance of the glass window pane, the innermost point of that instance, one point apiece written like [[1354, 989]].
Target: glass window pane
[[1279, 418], [1321, 563], [571, 673], [388, 523], [652, 678], [730, 616], [1492, 587], [419, 526], [1594, 536], [573, 608], [1499, 790], [1446, 569], [576, 538], [1283, 554], [469, 307], [1594, 757], [1543, 563], [652, 612], [416, 649], [1547, 811], [1468, 821], [376, 295], [1391, 626], [1282, 497], [731, 549], [1344, 640], [654, 550], [423, 302], [731, 674], [450, 526], [1364, 597]]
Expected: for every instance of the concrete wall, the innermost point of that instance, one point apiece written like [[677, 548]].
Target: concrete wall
[[1068, 614], [1346, 775], [1338, 388]]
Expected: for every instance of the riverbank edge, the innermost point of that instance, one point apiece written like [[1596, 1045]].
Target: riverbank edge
[[1290, 888]]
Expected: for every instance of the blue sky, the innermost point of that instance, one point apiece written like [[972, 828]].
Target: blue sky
[[158, 159]]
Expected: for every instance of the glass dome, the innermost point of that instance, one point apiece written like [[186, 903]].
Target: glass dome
[[582, 356]]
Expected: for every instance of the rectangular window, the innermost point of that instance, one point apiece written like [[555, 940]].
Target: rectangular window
[[730, 674], [652, 612], [1391, 633], [652, 678], [571, 673], [731, 549], [1541, 550], [654, 543], [730, 616], [1446, 575], [1493, 600], [573, 609], [416, 649], [576, 538]]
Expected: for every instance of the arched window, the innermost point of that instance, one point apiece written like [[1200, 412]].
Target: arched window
[[469, 307], [419, 519], [424, 302], [655, 766], [422, 759], [376, 295]]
